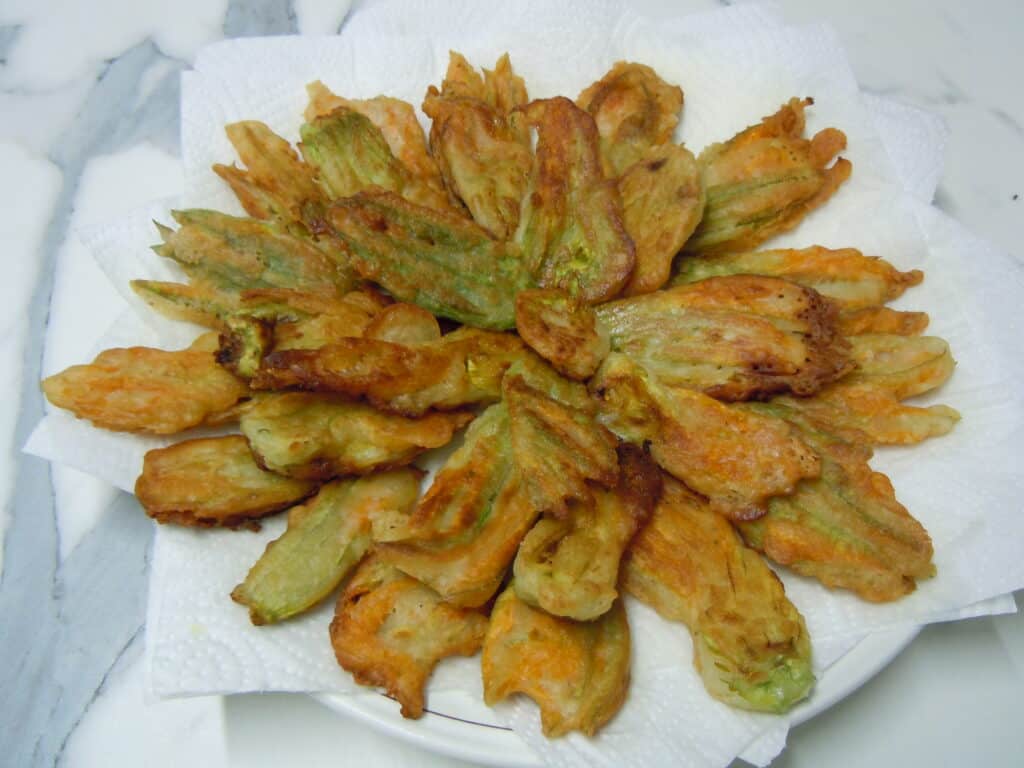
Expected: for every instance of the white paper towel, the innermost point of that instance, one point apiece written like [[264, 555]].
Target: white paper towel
[[734, 67]]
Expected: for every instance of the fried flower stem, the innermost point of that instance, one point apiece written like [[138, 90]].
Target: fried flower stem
[[846, 529], [576, 672], [283, 319], [750, 643], [325, 538], [213, 481], [765, 180], [243, 344]]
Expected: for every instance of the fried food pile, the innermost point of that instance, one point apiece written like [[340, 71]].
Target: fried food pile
[[651, 406]]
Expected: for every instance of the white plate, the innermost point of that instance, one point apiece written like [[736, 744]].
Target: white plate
[[461, 726]]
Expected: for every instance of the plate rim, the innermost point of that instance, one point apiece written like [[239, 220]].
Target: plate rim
[[484, 744]]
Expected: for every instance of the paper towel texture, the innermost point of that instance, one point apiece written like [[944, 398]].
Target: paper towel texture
[[734, 66]]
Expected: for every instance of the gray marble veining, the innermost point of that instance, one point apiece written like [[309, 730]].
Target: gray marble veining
[[67, 624], [97, 605], [260, 17], [55, 647], [7, 35], [1007, 119]]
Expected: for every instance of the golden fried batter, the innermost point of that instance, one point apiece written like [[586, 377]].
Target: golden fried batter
[[302, 321], [733, 338], [325, 538], [634, 110], [571, 232], [500, 88], [570, 567], [461, 368], [349, 154], [467, 569], [503, 88], [466, 486], [404, 324], [662, 203], [845, 275], [563, 331], [737, 459], [317, 436], [287, 305], [390, 631], [465, 531], [865, 406], [764, 180], [846, 529], [576, 672], [442, 262], [557, 443], [882, 320], [213, 481], [198, 303], [485, 160], [394, 118], [354, 367], [283, 319], [140, 389], [276, 184], [871, 414], [905, 366], [232, 415], [750, 643], [243, 344], [236, 254]]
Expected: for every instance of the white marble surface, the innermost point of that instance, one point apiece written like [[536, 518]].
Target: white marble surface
[[90, 130]]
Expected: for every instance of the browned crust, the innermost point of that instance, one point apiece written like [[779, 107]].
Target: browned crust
[[640, 482], [200, 483], [562, 331], [353, 367], [882, 320], [828, 358], [372, 600]]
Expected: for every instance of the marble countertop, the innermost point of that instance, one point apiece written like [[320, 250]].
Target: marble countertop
[[89, 93]]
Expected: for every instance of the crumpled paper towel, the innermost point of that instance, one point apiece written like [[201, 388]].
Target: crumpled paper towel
[[734, 66]]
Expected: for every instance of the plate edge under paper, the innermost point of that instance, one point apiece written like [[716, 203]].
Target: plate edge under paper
[[458, 737]]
